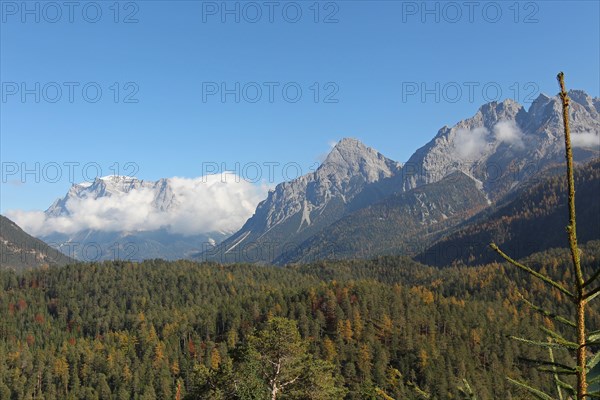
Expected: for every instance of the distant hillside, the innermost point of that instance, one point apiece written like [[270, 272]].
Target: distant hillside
[[18, 250], [400, 224], [533, 220]]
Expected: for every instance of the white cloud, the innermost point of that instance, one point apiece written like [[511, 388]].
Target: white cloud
[[221, 202], [469, 144], [508, 132], [30, 221], [585, 139]]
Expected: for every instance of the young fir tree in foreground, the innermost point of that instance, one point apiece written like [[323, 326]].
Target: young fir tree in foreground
[[581, 292]]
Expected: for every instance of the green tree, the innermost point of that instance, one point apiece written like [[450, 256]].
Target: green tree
[[580, 293], [288, 370]]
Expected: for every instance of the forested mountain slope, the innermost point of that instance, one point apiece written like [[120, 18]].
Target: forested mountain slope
[[18, 250], [533, 220], [399, 224]]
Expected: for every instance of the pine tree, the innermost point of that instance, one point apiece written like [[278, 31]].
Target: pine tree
[[581, 293]]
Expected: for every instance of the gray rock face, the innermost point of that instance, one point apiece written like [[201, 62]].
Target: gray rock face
[[163, 198], [297, 209], [401, 223], [344, 173], [503, 145]]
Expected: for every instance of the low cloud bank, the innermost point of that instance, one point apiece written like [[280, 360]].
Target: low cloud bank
[[470, 144], [213, 203]]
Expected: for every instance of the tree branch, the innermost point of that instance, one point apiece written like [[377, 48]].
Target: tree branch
[[532, 272]]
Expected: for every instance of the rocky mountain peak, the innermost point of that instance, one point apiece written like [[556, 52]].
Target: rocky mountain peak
[[350, 157], [537, 110], [504, 137], [589, 103], [113, 185], [491, 113], [298, 208], [505, 105], [349, 142], [117, 183], [349, 150]]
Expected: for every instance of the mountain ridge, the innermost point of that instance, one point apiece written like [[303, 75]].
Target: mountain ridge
[[500, 148], [19, 250], [291, 207], [129, 243], [392, 225]]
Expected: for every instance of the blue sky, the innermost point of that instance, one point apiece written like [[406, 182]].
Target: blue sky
[[357, 63]]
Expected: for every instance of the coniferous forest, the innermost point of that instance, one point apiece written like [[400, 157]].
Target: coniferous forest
[[379, 329]]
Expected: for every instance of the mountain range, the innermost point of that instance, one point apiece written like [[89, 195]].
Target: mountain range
[[104, 244], [359, 203]]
